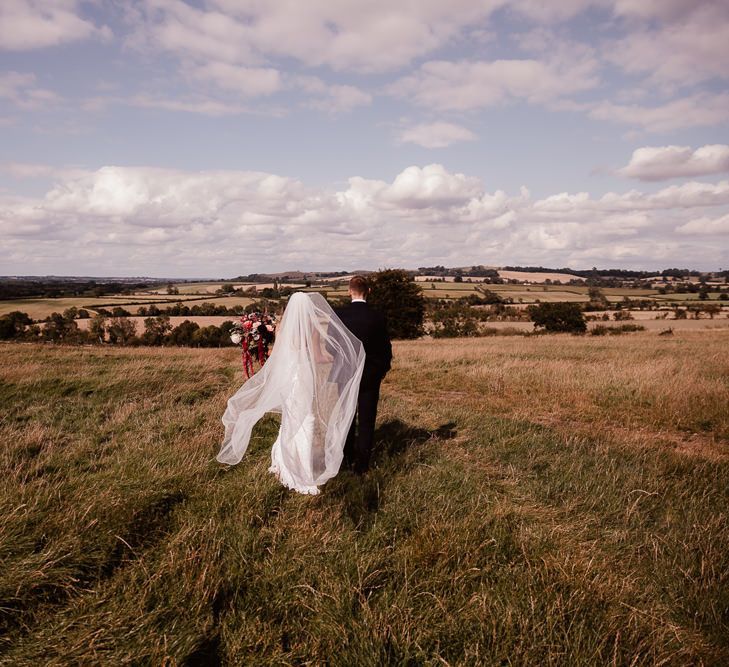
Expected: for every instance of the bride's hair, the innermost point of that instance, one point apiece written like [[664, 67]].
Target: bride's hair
[[359, 285]]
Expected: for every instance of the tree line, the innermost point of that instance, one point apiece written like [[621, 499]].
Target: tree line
[[118, 330]]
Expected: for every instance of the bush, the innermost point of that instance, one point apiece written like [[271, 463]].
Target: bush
[[558, 317], [602, 330]]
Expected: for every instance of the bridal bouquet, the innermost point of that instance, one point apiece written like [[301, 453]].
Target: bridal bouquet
[[253, 332]]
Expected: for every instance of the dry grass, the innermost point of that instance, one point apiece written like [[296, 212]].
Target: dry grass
[[550, 500]]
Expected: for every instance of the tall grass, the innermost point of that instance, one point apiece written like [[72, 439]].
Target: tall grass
[[548, 500]]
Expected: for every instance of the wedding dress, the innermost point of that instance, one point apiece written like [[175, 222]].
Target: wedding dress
[[311, 379]]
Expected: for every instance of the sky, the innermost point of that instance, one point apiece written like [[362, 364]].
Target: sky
[[218, 138]]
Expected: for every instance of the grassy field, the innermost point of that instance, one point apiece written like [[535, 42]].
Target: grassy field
[[544, 501]]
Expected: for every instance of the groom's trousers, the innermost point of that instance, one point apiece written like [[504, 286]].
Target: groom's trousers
[[358, 446]]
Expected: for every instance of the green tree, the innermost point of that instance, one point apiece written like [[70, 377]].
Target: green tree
[[121, 330], [396, 294], [182, 334], [597, 299], [210, 336], [58, 328], [12, 325], [558, 317], [97, 327], [155, 329]]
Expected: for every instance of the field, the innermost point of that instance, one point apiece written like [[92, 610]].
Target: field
[[553, 500], [204, 292]]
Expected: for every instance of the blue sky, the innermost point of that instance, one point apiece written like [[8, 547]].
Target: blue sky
[[220, 137]]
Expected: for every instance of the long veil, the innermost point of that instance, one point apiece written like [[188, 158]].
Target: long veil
[[312, 379]]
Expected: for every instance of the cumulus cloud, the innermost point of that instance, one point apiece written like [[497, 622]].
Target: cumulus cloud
[[34, 24], [664, 162], [436, 135], [150, 220]]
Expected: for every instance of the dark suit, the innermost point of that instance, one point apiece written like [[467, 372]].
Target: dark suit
[[370, 327]]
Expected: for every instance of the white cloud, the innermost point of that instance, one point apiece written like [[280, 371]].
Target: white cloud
[[332, 98], [142, 219], [706, 226], [466, 85], [248, 81], [204, 106], [436, 135], [679, 42], [663, 162], [21, 90], [343, 35], [698, 110], [34, 24], [27, 170], [551, 12]]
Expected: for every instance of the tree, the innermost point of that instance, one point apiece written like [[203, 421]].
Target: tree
[[597, 299], [58, 328], [396, 294], [97, 327], [12, 325], [210, 336], [182, 334], [558, 317], [155, 329], [122, 330]]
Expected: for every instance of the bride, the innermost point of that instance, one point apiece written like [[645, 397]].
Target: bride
[[311, 379]]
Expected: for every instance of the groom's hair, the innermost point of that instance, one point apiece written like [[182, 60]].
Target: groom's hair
[[359, 285]]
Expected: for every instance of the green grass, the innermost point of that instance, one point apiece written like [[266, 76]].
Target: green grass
[[534, 501]]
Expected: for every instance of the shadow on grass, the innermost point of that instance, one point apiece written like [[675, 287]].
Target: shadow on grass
[[398, 447]]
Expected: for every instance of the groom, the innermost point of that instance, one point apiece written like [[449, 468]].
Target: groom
[[371, 328]]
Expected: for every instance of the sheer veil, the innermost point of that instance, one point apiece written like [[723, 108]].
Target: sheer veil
[[312, 380]]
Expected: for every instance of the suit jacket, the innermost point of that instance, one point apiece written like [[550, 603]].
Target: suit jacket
[[370, 327]]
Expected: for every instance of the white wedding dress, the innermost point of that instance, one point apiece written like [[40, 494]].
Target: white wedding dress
[[312, 379]]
